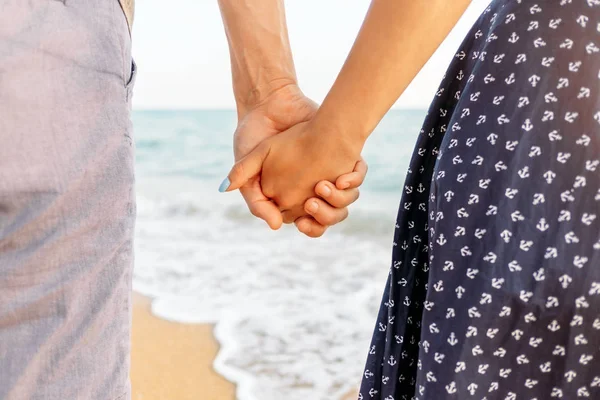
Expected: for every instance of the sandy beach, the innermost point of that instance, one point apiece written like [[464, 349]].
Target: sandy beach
[[171, 361]]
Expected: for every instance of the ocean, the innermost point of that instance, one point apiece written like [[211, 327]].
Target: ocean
[[293, 315]]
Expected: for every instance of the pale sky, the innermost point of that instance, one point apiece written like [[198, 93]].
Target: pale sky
[[183, 60]]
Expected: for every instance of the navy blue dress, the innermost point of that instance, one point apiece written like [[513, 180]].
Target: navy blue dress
[[494, 287]]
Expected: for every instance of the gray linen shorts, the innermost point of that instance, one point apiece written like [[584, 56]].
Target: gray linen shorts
[[67, 202]]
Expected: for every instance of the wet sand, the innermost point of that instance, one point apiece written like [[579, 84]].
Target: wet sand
[[172, 361]]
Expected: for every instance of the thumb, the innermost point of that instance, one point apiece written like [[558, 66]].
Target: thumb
[[246, 168]]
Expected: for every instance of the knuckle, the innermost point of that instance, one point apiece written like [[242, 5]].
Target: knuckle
[[342, 200], [303, 226], [255, 211], [326, 219], [345, 215], [316, 233]]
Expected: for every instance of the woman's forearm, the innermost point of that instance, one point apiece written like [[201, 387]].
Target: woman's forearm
[[261, 58], [396, 40]]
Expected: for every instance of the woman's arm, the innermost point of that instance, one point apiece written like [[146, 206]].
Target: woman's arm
[[396, 40]]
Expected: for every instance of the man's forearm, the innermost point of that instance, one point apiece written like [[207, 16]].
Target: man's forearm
[[261, 58]]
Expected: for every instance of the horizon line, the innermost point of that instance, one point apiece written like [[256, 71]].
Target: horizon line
[[233, 109]]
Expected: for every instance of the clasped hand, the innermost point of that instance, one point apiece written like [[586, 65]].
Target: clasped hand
[[288, 171]]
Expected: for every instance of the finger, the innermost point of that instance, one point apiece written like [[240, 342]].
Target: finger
[[310, 227], [334, 196], [324, 213], [291, 215], [260, 206], [246, 168], [355, 178]]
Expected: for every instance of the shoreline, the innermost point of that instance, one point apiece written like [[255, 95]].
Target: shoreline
[[170, 360]]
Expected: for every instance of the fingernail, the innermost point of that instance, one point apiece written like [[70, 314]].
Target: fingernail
[[345, 185], [325, 191], [313, 207], [224, 185]]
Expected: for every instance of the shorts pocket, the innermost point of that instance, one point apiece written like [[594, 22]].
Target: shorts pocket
[[131, 82]]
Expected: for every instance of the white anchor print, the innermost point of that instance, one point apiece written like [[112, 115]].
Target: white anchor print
[[505, 184]]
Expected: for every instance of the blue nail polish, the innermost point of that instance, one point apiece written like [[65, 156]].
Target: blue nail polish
[[224, 185]]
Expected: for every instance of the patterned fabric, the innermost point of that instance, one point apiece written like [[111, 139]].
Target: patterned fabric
[[494, 289]]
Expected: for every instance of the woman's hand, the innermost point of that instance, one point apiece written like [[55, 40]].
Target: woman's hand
[[280, 110], [322, 212], [289, 165]]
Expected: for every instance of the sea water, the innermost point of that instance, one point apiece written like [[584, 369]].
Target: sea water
[[293, 315]]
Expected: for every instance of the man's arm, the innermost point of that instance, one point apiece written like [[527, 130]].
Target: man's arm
[[261, 57]]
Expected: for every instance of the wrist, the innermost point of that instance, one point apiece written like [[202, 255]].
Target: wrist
[[333, 145], [331, 128], [253, 96]]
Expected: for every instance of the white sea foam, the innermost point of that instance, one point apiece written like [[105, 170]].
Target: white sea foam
[[294, 316]]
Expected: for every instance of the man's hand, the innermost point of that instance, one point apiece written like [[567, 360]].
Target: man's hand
[[282, 109]]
